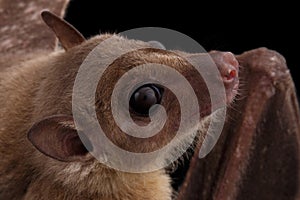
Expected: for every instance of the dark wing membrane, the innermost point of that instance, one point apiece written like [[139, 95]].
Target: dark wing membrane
[[258, 153]]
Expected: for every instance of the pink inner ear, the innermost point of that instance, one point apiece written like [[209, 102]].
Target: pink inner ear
[[55, 137]]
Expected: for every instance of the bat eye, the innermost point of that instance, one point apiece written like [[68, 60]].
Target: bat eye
[[144, 98]]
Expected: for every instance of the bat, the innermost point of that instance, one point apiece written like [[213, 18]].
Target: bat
[[270, 152], [43, 155]]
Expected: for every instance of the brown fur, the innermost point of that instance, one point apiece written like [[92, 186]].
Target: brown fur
[[43, 87], [39, 89]]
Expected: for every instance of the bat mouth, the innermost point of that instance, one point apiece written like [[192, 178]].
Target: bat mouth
[[231, 86]]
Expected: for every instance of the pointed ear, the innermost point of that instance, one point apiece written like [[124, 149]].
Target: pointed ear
[[57, 137], [65, 32]]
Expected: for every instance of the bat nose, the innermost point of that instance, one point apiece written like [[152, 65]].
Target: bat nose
[[228, 67], [229, 70], [229, 58]]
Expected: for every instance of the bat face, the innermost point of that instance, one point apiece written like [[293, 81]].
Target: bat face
[[146, 101], [142, 100], [141, 97]]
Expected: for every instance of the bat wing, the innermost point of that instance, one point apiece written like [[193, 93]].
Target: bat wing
[[257, 155], [23, 34]]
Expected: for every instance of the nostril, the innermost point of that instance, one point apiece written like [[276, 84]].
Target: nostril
[[231, 74]]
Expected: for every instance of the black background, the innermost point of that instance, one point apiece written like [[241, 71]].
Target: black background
[[227, 27]]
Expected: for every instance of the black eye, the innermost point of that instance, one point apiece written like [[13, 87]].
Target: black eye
[[144, 97]]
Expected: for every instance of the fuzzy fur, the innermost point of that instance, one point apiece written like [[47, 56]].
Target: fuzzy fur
[[36, 89], [43, 87]]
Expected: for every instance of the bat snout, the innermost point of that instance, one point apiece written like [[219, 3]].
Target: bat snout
[[228, 66], [229, 70]]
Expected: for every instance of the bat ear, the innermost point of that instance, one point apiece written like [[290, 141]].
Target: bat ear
[[57, 137], [65, 32]]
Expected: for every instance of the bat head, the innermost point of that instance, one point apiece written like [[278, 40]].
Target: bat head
[[55, 131]]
